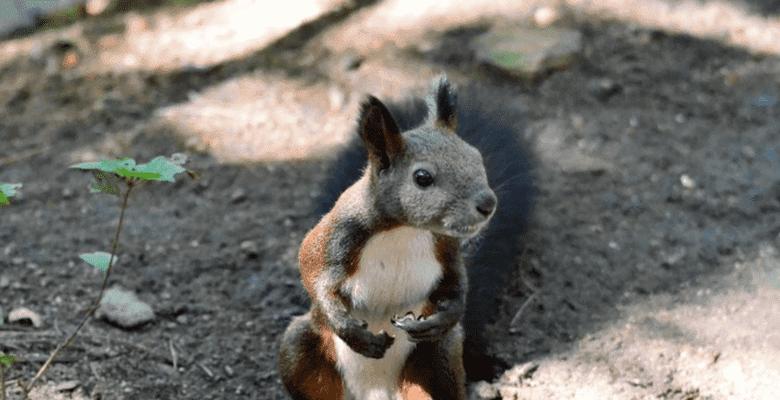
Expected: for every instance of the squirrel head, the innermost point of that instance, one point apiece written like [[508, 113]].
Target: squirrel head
[[426, 177]]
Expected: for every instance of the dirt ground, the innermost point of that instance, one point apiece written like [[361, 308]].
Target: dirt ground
[[651, 271]]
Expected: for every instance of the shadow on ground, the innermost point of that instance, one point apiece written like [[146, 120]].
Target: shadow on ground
[[672, 183]]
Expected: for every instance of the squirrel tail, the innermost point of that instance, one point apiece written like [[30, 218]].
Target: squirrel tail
[[491, 121]]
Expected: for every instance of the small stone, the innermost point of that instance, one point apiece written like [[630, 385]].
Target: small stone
[[603, 89], [250, 248], [229, 371], [749, 152], [351, 61], [672, 257], [67, 193], [182, 319], [67, 386], [546, 16], [25, 315], [123, 308], [680, 118], [687, 181], [528, 52], [484, 390], [2, 316], [337, 98], [238, 196]]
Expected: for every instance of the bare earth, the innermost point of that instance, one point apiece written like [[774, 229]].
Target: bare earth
[[651, 271]]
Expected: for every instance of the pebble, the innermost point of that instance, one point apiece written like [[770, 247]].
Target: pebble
[[604, 88], [351, 61], [2, 316], [546, 16], [250, 248], [486, 391], [687, 181], [238, 196], [25, 315], [67, 386], [123, 308]]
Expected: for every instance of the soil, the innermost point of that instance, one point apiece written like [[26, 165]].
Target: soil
[[651, 269]]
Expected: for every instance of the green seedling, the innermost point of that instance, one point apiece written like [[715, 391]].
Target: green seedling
[[117, 178], [6, 361], [8, 190]]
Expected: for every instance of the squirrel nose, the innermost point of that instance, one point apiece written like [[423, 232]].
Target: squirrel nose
[[486, 203]]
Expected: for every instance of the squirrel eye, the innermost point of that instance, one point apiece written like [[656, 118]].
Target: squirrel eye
[[423, 178]]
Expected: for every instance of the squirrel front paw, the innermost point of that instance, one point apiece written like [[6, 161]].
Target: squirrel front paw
[[365, 343], [425, 329]]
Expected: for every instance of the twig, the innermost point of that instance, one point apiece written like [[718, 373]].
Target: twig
[[520, 312], [26, 388], [174, 356], [205, 369]]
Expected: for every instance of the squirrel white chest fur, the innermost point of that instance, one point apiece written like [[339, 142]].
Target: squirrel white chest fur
[[397, 270]]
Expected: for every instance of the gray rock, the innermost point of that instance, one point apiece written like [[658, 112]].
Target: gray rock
[[238, 196], [25, 315], [486, 391], [2, 316], [123, 308], [250, 249], [528, 52], [604, 88]]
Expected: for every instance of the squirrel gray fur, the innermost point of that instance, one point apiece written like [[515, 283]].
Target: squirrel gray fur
[[386, 266]]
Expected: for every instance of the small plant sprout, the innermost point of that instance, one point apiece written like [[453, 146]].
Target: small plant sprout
[[8, 190], [117, 178], [6, 361]]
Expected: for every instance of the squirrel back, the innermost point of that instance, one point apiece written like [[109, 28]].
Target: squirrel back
[[492, 122]]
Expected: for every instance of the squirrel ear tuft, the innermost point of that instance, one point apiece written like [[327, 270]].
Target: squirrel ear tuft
[[442, 102], [379, 132]]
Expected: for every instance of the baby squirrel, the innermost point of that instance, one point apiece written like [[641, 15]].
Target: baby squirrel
[[385, 266]]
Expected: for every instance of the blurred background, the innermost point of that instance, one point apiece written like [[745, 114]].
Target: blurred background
[[651, 269]]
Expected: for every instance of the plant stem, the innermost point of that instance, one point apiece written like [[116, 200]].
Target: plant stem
[[2, 382], [26, 388]]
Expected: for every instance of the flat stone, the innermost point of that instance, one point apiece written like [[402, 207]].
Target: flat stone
[[67, 386], [123, 308], [486, 391], [528, 52], [25, 315]]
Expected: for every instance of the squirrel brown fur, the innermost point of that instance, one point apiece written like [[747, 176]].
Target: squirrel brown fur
[[384, 268]]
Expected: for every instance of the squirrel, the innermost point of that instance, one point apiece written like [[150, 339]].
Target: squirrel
[[386, 266]]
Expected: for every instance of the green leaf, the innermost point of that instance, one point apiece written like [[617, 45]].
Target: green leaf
[[165, 168], [158, 169], [6, 360], [8, 190], [146, 176], [104, 183], [107, 165], [98, 259]]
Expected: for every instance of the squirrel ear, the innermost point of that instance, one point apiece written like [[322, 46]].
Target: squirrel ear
[[379, 132], [441, 103]]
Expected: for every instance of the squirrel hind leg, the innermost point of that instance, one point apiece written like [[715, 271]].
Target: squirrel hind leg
[[434, 370], [307, 362]]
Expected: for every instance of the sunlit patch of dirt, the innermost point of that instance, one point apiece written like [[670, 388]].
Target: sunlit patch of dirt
[[263, 117], [718, 20]]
